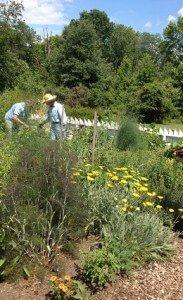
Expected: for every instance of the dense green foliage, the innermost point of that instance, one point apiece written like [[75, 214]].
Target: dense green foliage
[[95, 63]]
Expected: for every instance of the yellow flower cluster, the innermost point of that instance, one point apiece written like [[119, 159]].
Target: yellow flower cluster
[[131, 191]]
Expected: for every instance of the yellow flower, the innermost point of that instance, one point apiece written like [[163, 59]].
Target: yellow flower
[[143, 189], [123, 181], [109, 174], [171, 210], [159, 206], [95, 173], [123, 169], [136, 195], [115, 178], [63, 287], [145, 184], [76, 174], [67, 278], [151, 194], [137, 184], [53, 278], [101, 167], [128, 176], [180, 209], [148, 203], [110, 185], [90, 178], [124, 200], [87, 165], [160, 197], [124, 209], [144, 178]]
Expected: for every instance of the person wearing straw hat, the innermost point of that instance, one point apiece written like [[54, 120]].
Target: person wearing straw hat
[[17, 115], [55, 115]]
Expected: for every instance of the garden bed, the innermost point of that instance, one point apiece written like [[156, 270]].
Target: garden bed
[[156, 281]]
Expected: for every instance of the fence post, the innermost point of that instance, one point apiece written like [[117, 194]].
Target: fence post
[[94, 137]]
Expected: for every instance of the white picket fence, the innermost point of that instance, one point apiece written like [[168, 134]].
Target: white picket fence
[[168, 135]]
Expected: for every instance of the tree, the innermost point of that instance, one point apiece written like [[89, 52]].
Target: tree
[[10, 68], [123, 42], [150, 44], [16, 43], [79, 58], [102, 25], [147, 70], [154, 102], [177, 80], [172, 45], [10, 12]]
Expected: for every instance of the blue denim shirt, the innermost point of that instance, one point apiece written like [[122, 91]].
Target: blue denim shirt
[[17, 109], [55, 113]]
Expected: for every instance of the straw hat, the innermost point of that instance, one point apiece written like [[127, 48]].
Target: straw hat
[[49, 98]]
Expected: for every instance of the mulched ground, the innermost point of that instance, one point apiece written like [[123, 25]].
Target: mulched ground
[[158, 281]]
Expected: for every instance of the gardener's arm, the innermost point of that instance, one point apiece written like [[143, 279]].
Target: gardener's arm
[[19, 121]]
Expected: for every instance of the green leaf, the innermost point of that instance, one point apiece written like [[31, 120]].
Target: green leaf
[[26, 271], [2, 261], [16, 259]]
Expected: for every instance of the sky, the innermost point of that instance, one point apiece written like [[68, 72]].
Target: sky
[[142, 15]]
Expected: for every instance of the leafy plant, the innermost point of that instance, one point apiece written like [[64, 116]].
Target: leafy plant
[[129, 136], [100, 266]]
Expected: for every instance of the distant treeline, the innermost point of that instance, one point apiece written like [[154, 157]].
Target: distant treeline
[[95, 63]]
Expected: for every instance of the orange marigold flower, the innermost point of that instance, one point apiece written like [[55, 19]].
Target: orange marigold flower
[[63, 287], [53, 278]]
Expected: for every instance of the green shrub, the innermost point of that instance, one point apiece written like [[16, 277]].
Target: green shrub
[[100, 266], [129, 137], [32, 83], [129, 240], [142, 233]]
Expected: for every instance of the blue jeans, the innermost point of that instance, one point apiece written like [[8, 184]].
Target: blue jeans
[[56, 131]]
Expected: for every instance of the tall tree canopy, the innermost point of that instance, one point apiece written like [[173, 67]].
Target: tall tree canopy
[[79, 58], [102, 24], [172, 45], [16, 44], [123, 42]]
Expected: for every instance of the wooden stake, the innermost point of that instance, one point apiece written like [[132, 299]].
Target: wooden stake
[[94, 137]]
